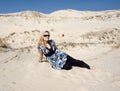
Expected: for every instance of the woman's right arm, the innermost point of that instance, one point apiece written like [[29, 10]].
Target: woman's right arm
[[40, 55]]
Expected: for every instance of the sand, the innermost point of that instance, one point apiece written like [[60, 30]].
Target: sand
[[93, 40]]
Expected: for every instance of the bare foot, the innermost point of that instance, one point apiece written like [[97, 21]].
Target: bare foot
[[92, 68]]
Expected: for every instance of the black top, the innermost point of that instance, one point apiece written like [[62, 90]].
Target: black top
[[51, 50]]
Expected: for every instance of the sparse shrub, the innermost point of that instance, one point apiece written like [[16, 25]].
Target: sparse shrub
[[26, 32], [3, 45], [118, 15], [103, 37], [117, 45], [51, 30], [98, 16], [35, 30], [12, 34], [99, 38], [63, 35], [0, 41], [13, 41]]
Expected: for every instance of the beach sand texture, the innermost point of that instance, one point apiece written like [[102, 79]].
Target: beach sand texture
[[91, 36]]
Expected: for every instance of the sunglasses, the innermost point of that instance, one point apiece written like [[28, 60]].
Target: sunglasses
[[46, 35]]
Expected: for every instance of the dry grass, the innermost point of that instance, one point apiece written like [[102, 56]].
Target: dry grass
[[109, 37]]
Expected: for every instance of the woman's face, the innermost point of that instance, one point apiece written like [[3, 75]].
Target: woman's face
[[46, 36]]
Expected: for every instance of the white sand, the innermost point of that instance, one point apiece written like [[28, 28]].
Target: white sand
[[20, 71]]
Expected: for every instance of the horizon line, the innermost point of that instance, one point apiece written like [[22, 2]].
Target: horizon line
[[55, 10]]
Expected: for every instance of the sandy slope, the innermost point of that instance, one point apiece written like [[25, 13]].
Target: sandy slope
[[20, 71], [89, 36]]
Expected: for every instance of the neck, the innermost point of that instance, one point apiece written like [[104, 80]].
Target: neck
[[45, 42]]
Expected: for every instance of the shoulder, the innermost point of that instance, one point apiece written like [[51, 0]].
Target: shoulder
[[39, 46]]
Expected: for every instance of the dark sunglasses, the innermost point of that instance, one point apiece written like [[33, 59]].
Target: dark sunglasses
[[46, 35]]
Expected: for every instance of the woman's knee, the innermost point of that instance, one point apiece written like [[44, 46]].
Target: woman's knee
[[67, 66]]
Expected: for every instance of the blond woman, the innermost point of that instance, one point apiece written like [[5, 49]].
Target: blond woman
[[57, 58]]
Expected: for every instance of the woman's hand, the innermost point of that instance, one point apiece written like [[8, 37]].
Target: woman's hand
[[40, 61]]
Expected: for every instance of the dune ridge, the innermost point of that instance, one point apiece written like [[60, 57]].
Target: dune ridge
[[91, 36]]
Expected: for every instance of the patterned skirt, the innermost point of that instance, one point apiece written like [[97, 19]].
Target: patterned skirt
[[58, 59]]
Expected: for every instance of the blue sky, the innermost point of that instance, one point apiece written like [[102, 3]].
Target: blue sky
[[48, 6]]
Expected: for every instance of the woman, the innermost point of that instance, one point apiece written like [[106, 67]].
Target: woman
[[58, 59]]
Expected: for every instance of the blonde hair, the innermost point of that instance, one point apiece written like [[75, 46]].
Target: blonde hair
[[41, 40]]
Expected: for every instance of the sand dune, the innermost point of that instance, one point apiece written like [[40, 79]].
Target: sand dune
[[91, 36], [20, 71]]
